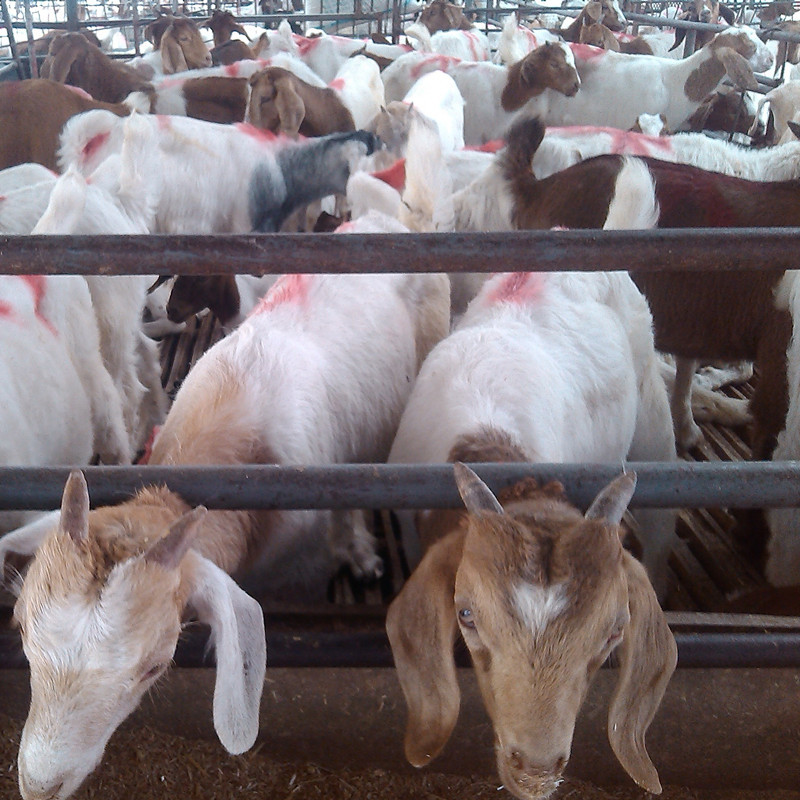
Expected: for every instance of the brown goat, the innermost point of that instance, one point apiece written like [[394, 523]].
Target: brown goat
[[283, 103], [178, 38], [214, 99], [441, 15], [594, 12], [222, 25], [74, 60], [598, 35], [722, 111], [541, 594], [728, 315], [232, 51], [32, 113]]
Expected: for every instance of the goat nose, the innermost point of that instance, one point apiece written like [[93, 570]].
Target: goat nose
[[35, 790], [527, 780]]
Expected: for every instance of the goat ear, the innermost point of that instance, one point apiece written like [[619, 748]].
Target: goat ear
[[172, 58], [61, 64], [239, 29], [169, 551], [75, 507], [647, 657], [237, 631], [737, 69], [593, 11], [612, 502], [290, 106], [477, 496], [421, 625], [225, 303]]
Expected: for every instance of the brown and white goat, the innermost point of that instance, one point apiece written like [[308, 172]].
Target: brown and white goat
[[541, 594], [442, 15], [178, 46], [32, 114], [729, 315], [74, 60], [606, 13], [598, 35], [223, 24], [283, 103]]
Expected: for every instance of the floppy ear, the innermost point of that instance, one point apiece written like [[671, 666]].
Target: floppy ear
[[737, 69], [225, 301], [290, 106], [61, 64], [593, 11], [237, 632], [647, 657], [172, 58], [422, 628]]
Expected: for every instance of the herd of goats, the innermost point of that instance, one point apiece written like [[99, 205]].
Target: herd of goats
[[455, 129]]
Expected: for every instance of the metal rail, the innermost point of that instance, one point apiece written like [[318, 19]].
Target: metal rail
[[685, 249], [254, 486]]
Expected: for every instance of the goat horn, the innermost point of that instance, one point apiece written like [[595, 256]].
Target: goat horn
[[169, 551], [75, 507], [477, 496], [612, 502]]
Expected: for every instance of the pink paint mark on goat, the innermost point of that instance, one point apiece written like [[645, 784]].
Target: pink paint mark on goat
[[171, 83], [5, 309], [232, 70], [517, 287], [264, 136], [38, 284], [164, 122], [630, 143], [394, 176], [586, 52], [148, 446], [474, 45], [337, 84], [624, 37], [346, 227], [94, 144], [287, 289], [304, 44], [492, 146], [444, 63]]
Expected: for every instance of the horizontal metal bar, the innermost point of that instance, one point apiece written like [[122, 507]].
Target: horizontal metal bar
[[690, 249], [369, 648], [677, 484]]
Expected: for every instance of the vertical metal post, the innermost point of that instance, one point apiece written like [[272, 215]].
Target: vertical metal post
[[33, 65], [12, 43], [72, 15], [135, 21], [396, 20]]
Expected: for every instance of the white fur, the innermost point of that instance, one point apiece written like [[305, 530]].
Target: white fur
[[539, 605], [437, 96]]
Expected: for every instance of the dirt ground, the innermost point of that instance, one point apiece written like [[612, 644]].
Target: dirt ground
[[143, 764]]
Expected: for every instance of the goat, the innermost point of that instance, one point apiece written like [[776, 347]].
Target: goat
[[74, 60], [617, 87], [784, 106], [467, 45], [282, 103], [436, 96], [541, 595], [728, 111], [358, 82], [32, 114], [197, 162], [223, 25], [178, 47], [727, 315], [492, 93], [607, 13], [516, 41], [441, 15], [247, 400], [598, 35]]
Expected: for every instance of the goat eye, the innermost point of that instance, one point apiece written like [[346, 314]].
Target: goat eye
[[466, 618]]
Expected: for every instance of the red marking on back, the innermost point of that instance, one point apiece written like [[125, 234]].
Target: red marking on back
[[5, 309], [586, 52], [232, 70], [93, 145], [164, 122], [517, 287], [2, 197], [492, 146], [337, 84], [345, 227], [148, 446], [474, 45], [444, 63], [169, 83], [287, 289], [304, 44], [37, 285], [628, 143], [264, 136], [394, 176]]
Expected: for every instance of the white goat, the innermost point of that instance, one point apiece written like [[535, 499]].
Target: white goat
[[122, 576], [436, 96], [467, 45], [551, 408], [784, 105], [617, 87], [516, 41], [223, 178], [493, 94], [358, 82]]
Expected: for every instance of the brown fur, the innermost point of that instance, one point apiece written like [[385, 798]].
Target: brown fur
[[180, 43], [74, 60], [728, 315], [542, 68], [441, 15], [729, 54], [192, 293], [593, 12], [532, 682], [32, 114], [721, 111], [216, 98], [223, 24], [282, 103], [231, 51]]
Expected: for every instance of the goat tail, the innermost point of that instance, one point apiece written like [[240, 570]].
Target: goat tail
[[634, 205], [522, 142]]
